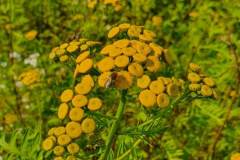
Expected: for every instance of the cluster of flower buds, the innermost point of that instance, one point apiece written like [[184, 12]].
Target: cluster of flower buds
[[29, 77], [130, 58], [65, 50], [199, 82], [158, 91]]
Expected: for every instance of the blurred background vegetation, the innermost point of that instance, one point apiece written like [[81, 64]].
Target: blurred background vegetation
[[206, 32]]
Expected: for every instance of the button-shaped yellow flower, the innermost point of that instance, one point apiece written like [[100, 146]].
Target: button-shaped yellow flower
[[123, 43], [76, 114], [94, 104], [153, 64], [206, 90], [136, 69], [79, 101], [59, 131], [173, 89], [163, 100], [88, 79], [72, 48], [157, 87], [129, 51], [58, 150], [139, 57], [73, 148], [143, 82], [63, 139], [73, 129], [66, 95], [62, 110], [88, 125], [83, 88], [106, 64], [85, 65], [82, 56], [113, 32], [193, 77], [47, 144], [147, 98], [209, 81], [104, 78], [121, 61]]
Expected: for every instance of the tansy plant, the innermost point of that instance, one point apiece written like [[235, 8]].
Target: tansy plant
[[130, 67]]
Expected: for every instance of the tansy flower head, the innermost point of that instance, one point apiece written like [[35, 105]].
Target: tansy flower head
[[121, 61], [73, 148], [73, 129], [72, 48], [193, 77], [194, 67], [135, 69], [71, 157], [83, 88], [194, 87], [31, 35], [88, 79], [47, 144], [153, 64], [209, 81], [82, 56], [104, 78], [79, 100], [58, 158], [235, 156], [58, 150], [157, 87], [76, 114], [113, 32], [84, 66], [88, 125], [139, 57], [156, 20], [163, 100], [94, 104], [62, 110], [66, 95], [147, 98], [143, 82], [106, 64], [63, 139], [59, 131], [206, 90], [173, 89]]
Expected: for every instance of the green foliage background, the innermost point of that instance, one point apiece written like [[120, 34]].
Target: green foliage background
[[206, 32]]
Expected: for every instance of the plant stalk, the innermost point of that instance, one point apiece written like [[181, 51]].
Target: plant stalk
[[115, 125]]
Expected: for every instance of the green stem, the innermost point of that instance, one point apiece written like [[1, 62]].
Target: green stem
[[115, 126], [130, 150]]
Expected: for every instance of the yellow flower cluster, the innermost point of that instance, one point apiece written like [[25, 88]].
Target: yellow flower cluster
[[158, 91], [199, 82], [235, 156], [10, 118], [66, 49], [73, 104], [29, 77], [130, 57], [31, 35], [115, 3]]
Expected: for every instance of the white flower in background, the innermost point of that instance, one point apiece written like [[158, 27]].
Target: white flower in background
[[3, 64], [32, 59], [15, 55]]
